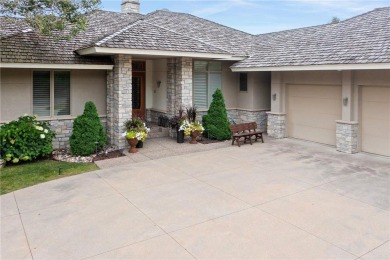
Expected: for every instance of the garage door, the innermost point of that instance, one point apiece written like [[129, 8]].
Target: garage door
[[376, 120], [312, 111]]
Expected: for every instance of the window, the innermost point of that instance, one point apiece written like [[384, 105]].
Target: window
[[51, 93], [244, 82], [207, 79]]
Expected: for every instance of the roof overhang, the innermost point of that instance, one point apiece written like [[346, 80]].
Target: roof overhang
[[56, 66], [339, 67], [156, 53]]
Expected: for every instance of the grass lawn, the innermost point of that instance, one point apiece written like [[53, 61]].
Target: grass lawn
[[15, 177]]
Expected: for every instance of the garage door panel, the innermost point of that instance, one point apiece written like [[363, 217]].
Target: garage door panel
[[326, 136], [310, 91], [317, 105], [312, 112], [316, 120], [376, 120]]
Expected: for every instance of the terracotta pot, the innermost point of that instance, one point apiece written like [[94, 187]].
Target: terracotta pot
[[133, 143], [194, 135]]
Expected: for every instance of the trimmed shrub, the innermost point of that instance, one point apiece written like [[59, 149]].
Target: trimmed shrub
[[25, 139], [88, 132], [216, 122]]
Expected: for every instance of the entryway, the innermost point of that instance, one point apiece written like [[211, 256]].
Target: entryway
[[138, 88]]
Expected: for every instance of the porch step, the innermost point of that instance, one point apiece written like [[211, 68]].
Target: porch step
[[158, 131]]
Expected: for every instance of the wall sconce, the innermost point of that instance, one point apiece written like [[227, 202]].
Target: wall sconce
[[274, 97], [158, 83], [345, 101]]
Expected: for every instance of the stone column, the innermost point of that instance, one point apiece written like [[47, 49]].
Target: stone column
[[110, 103], [347, 136], [276, 125], [179, 84], [122, 98]]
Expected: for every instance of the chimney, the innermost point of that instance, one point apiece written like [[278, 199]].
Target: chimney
[[130, 6]]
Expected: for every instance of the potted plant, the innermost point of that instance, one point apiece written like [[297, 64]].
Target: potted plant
[[176, 122], [135, 132], [193, 130]]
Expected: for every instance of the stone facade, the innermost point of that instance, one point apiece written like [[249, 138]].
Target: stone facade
[[64, 129], [276, 125], [152, 115], [120, 104], [347, 135], [179, 84], [241, 116]]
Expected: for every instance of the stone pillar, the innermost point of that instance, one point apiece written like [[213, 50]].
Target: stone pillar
[[122, 98], [276, 126], [179, 84], [110, 103], [347, 136]]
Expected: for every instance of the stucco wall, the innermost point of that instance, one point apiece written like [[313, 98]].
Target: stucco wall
[[159, 94], [258, 95], [229, 85], [16, 92]]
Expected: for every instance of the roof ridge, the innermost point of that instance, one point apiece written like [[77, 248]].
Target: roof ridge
[[169, 30], [109, 37], [371, 11], [200, 18]]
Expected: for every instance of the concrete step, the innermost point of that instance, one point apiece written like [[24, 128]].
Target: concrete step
[[158, 131]]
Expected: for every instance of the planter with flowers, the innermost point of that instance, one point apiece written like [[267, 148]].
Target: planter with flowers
[[193, 130], [135, 132]]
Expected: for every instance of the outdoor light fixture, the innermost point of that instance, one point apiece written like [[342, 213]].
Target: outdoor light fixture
[[274, 97], [345, 101], [158, 83]]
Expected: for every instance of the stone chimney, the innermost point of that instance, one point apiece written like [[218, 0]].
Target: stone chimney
[[130, 6]]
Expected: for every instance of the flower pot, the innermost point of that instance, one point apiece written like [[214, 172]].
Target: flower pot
[[140, 144], [180, 136], [2, 163], [133, 145], [194, 135]]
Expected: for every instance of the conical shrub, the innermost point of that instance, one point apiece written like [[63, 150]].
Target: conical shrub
[[88, 132], [216, 122]]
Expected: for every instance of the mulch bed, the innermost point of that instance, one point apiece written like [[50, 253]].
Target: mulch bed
[[110, 155]]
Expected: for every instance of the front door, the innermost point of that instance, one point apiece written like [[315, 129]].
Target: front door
[[138, 93]]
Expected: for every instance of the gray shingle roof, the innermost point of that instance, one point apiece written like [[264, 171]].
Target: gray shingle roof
[[146, 36], [359, 40], [235, 42], [21, 46]]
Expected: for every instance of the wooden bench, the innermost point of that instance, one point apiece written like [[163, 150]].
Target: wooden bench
[[245, 131]]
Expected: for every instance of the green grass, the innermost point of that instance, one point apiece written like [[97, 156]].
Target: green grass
[[15, 177]]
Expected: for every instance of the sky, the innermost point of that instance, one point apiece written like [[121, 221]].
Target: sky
[[260, 16]]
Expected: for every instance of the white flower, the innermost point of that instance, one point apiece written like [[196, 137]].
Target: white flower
[[124, 134], [42, 136], [45, 131], [37, 127], [40, 128]]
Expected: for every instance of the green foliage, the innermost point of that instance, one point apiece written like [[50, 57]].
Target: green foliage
[[334, 20], [216, 122], [88, 132], [25, 139], [135, 128], [49, 16], [15, 177]]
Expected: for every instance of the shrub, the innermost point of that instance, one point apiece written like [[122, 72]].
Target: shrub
[[25, 139], [88, 133], [216, 122]]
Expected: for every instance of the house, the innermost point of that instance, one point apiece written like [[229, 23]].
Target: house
[[328, 84]]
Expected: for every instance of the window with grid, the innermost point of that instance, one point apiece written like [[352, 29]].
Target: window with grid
[[207, 79], [51, 93]]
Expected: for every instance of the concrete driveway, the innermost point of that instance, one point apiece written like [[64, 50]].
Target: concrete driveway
[[282, 199]]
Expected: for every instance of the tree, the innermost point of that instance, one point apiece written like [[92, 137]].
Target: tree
[[88, 133], [48, 16], [216, 122], [335, 19]]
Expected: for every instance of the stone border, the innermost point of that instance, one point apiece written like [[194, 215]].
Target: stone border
[[347, 136]]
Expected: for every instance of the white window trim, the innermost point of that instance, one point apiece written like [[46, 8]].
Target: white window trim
[[51, 116]]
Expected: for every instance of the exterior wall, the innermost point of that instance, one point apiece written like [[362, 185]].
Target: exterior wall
[[160, 93], [276, 126], [229, 85], [347, 136], [149, 84], [16, 88]]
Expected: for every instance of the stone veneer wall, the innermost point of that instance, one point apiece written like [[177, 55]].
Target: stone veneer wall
[[347, 135], [179, 84], [276, 126], [152, 115], [64, 129], [241, 116]]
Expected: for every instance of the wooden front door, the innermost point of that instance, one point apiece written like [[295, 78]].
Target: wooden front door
[[138, 92]]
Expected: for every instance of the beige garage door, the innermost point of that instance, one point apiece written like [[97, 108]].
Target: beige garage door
[[312, 111], [376, 120]]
